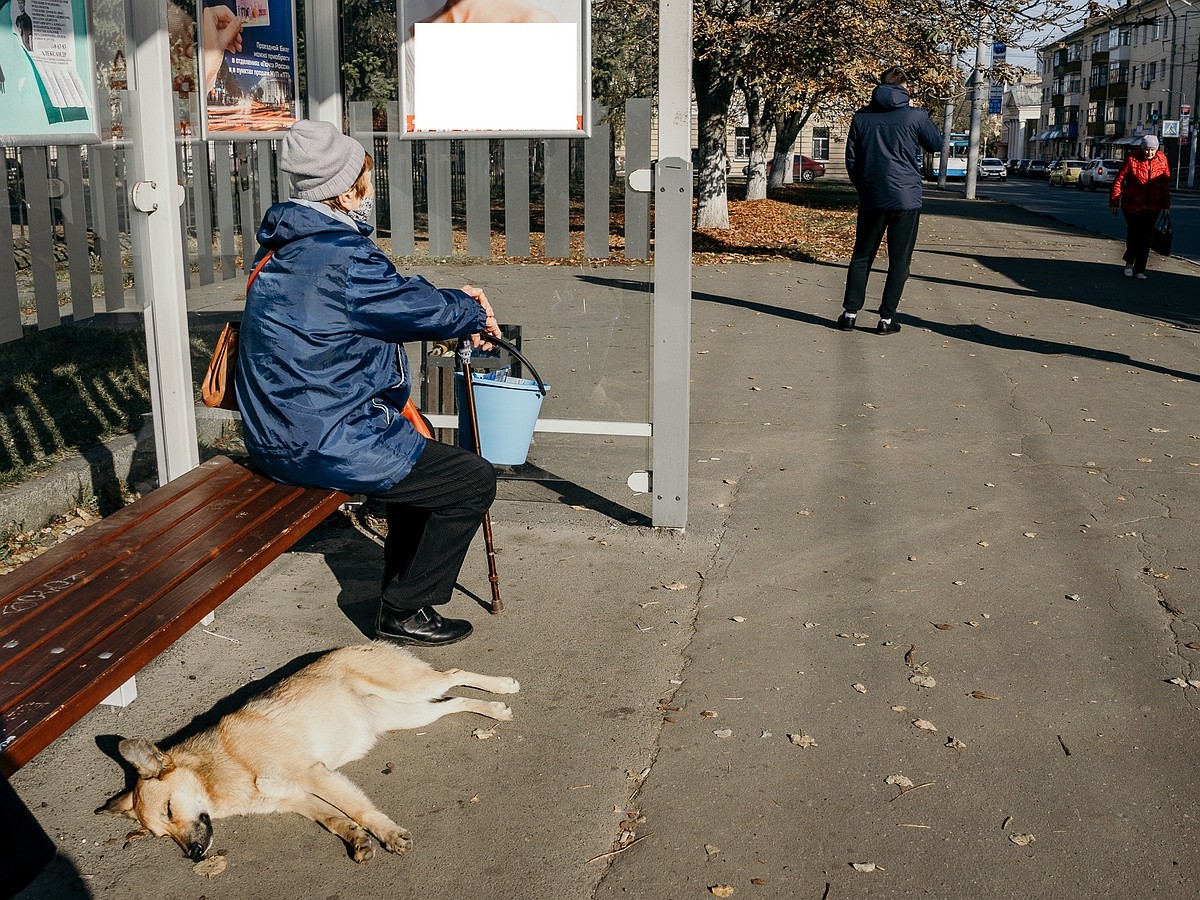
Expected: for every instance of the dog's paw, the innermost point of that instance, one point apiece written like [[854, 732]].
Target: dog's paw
[[507, 686], [363, 849], [396, 841], [500, 711]]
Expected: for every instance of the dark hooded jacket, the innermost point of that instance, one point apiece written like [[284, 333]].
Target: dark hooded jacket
[[883, 149], [321, 375]]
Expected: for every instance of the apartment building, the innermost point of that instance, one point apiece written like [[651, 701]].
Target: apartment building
[[1129, 72]]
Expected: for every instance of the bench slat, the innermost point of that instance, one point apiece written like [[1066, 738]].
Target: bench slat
[[238, 523]]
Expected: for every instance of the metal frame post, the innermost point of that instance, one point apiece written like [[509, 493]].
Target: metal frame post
[[672, 272], [324, 62], [157, 239]]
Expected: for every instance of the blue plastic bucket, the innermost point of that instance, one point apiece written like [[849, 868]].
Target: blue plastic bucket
[[506, 410]]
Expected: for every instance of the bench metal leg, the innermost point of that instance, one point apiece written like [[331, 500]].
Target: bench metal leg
[[122, 696]]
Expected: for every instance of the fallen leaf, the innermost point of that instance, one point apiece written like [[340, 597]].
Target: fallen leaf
[[924, 725], [980, 695], [737, 618], [922, 681], [758, 882], [810, 624], [1074, 597], [484, 733], [900, 781], [861, 688], [912, 559], [908, 657], [209, 868], [675, 586], [1030, 534], [1022, 840], [1194, 645], [711, 850], [899, 709], [1180, 682], [955, 744], [721, 890], [723, 732], [803, 740], [1158, 431], [708, 713], [864, 867], [984, 544], [942, 626]]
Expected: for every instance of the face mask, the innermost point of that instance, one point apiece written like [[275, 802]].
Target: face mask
[[363, 213]]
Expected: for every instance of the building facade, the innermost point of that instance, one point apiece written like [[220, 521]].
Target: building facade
[[1021, 116], [1129, 72]]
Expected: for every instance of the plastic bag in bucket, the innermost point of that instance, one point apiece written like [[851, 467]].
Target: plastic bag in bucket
[[506, 410]]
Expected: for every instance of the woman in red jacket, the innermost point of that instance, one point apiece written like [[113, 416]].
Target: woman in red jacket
[[1141, 190]]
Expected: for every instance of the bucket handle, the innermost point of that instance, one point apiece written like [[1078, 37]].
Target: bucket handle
[[517, 353]]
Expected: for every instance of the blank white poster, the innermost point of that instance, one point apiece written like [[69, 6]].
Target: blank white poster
[[496, 77]]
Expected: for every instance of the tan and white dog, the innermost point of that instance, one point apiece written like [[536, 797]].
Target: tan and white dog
[[281, 751]]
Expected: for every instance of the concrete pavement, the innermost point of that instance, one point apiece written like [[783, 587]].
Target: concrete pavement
[[1001, 498]]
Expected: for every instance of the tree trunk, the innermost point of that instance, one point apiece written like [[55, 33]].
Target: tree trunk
[[787, 128], [714, 91], [759, 114]]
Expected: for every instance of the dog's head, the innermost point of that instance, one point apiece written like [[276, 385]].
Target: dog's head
[[168, 800]]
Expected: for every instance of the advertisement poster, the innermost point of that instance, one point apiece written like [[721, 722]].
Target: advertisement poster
[[47, 73], [495, 68], [247, 68]]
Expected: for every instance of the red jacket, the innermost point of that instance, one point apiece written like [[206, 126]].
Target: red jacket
[[1143, 185]]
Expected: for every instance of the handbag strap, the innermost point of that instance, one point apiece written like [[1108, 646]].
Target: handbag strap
[[258, 268]]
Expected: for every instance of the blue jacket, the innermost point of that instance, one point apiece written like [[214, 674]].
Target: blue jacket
[[883, 149], [321, 378]]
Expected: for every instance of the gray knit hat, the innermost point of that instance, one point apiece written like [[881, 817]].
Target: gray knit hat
[[322, 161], [1150, 142]]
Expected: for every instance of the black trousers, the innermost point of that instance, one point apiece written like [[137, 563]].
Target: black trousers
[[433, 514], [900, 225], [1138, 229]]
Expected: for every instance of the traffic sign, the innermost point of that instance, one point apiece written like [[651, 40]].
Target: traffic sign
[[1170, 128]]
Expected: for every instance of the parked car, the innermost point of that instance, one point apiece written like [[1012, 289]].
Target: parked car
[[1012, 165], [1066, 171], [1038, 168], [1098, 172], [805, 169], [1023, 166], [993, 168]]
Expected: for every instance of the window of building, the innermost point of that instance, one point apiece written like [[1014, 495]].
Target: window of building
[[1124, 37], [1150, 71], [1075, 83], [741, 142], [820, 144], [1156, 34], [1091, 112]]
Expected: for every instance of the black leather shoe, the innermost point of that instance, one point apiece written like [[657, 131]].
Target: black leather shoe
[[887, 327], [845, 322], [424, 627]]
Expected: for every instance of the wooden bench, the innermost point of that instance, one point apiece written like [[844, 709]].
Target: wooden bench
[[79, 621]]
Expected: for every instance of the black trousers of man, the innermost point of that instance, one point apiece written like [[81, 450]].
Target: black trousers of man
[[900, 225], [433, 514], [1139, 227]]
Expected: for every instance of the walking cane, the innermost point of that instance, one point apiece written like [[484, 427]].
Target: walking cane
[[464, 366]]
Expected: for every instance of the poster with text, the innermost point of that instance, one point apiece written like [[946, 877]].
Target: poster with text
[[47, 73], [247, 68], [495, 68]]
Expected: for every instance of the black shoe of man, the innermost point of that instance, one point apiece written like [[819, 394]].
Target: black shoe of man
[[845, 322], [424, 627], [887, 327]]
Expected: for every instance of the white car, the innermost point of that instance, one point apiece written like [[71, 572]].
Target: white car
[[993, 168], [1098, 172]]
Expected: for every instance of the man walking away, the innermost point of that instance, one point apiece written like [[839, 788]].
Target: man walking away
[[882, 153]]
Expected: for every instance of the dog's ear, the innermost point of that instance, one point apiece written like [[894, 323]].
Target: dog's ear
[[149, 761], [121, 805]]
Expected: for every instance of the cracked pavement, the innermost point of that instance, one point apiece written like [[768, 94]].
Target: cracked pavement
[[1002, 497]]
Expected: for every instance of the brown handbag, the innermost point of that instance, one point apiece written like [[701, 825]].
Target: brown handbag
[[217, 389]]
